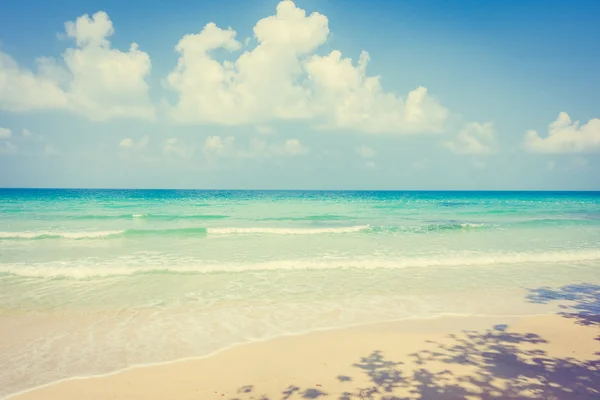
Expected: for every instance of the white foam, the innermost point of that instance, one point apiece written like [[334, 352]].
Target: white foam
[[471, 225], [55, 234], [287, 231], [213, 231], [118, 267]]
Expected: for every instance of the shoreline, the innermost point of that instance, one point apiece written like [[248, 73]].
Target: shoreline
[[427, 325]]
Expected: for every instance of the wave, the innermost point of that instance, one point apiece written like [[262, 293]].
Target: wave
[[324, 217], [258, 230], [197, 231], [452, 226], [117, 268], [59, 235], [287, 231], [225, 231], [102, 234], [366, 229], [162, 217], [556, 222]]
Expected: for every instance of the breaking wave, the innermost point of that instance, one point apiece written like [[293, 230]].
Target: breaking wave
[[224, 231], [120, 267]]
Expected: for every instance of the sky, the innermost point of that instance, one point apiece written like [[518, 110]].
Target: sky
[[310, 94]]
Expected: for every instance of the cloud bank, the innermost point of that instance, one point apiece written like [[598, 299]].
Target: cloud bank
[[91, 79], [283, 78], [566, 136]]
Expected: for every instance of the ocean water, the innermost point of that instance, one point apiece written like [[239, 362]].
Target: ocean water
[[93, 281]]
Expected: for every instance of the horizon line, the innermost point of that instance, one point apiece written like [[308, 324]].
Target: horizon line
[[306, 190]]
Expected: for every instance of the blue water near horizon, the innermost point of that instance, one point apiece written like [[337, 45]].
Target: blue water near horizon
[[102, 279]]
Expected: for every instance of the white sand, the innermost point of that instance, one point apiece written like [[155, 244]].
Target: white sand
[[488, 363]]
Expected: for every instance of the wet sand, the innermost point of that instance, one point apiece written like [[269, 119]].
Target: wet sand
[[541, 357]]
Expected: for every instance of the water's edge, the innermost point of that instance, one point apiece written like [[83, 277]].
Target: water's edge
[[369, 325]]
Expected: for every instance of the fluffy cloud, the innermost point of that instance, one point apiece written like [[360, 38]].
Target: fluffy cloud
[[473, 138], [131, 149], [23, 90], [566, 136], [283, 78], [129, 143], [291, 147], [5, 133], [25, 144], [91, 79], [366, 152], [217, 146]]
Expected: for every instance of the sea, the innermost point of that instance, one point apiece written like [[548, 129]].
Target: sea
[[96, 281]]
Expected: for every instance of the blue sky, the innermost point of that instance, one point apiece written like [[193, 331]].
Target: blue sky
[[363, 95]]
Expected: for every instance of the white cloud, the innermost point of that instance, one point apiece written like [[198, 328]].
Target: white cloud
[[25, 144], [23, 90], [91, 79], [131, 149], [176, 148], [366, 152], [566, 136], [473, 138], [283, 78], [5, 133], [346, 98], [259, 148], [291, 147], [217, 145], [129, 143]]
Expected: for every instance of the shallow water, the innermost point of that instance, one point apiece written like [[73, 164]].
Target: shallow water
[[97, 280]]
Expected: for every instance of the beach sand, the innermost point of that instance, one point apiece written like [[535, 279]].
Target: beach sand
[[541, 357]]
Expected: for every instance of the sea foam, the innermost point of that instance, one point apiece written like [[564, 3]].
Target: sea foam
[[227, 231], [57, 235], [286, 231], [119, 267]]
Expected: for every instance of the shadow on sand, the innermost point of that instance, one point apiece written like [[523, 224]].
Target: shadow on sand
[[580, 302], [495, 364]]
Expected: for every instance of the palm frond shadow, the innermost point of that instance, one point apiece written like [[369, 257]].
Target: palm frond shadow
[[495, 364]]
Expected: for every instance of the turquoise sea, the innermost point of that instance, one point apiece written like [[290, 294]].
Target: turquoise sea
[[93, 281]]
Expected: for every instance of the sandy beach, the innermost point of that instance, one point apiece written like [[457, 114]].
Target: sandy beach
[[540, 357], [297, 199], [164, 294]]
